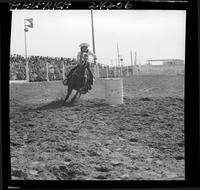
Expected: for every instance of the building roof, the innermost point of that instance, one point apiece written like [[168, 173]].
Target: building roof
[[165, 60]]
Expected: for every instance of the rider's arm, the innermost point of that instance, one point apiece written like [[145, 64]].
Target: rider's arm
[[78, 57], [92, 54]]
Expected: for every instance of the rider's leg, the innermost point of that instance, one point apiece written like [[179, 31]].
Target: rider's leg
[[91, 75]]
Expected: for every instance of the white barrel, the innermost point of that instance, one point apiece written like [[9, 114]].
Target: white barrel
[[114, 91]]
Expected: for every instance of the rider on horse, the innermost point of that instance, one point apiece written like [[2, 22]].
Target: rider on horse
[[83, 51]]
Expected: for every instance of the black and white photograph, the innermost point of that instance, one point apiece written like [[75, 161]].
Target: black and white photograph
[[97, 95]]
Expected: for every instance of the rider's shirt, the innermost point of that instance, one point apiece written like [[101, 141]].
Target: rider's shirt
[[87, 53]]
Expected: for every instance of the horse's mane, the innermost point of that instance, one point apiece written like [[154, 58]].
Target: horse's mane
[[80, 70]]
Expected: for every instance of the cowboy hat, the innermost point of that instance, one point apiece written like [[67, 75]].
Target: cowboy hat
[[84, 45]]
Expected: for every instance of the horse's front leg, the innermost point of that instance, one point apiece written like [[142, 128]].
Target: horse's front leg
[[68, 94], [74, 96], [79, 94]]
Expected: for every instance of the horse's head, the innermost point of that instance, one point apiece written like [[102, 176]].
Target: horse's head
[[84, 58]]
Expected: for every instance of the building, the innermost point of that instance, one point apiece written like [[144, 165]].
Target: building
[[173, 62], [166, 62]]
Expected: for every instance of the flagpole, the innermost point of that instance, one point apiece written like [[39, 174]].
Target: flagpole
[[118, 54], [27, 69], [93, 45]]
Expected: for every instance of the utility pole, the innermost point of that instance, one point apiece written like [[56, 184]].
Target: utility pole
[[112, 67], [118, 58], [96, 69], [132, 63], [135, 58], [118, 55], [121, 60], [116, 69]]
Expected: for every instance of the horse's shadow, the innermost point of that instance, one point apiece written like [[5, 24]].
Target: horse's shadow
[[58, 104], [50, 106]]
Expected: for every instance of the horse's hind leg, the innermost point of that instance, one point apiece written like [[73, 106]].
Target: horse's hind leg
[[79, 94], [74, 96], [68, 94]]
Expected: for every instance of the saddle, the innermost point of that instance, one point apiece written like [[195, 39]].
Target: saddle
[[88, 84]]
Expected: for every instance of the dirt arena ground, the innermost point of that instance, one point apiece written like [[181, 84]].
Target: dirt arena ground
[[143, 139]]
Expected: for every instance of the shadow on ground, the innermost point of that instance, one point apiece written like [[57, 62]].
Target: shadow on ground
[[57, 104]]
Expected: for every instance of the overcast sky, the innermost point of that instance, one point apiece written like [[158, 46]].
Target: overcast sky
[[155, 34]]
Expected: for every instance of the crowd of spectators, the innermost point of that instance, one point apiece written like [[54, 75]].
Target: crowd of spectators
[[17, 67], [38, 67]]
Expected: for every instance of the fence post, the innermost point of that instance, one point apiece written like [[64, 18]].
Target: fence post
[[97, 68], [116, 70], [63, 71], [96, 71], [107, 71], [47, 68]]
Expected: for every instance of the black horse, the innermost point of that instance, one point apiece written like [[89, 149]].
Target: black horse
[[78, 81]]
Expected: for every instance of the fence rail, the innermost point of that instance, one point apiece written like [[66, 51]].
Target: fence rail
[[51, 69]]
